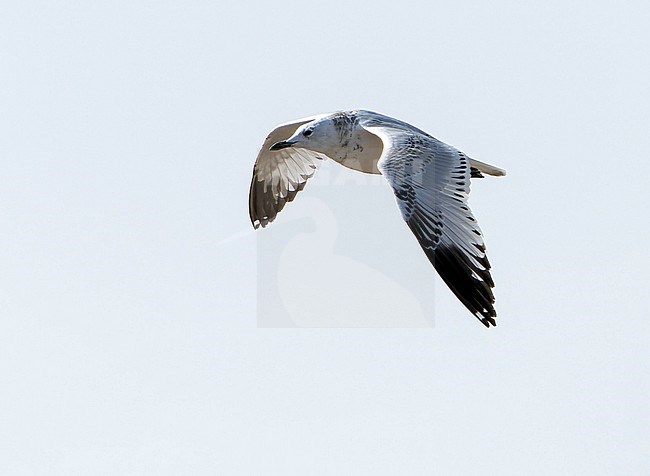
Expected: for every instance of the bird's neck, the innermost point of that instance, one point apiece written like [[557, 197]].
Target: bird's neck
[[358, 150]]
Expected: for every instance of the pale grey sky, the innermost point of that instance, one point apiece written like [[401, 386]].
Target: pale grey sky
[[129, 339]]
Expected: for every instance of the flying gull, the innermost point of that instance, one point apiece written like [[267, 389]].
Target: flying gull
[[431, 181]]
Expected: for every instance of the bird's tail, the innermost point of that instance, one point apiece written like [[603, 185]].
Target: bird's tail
[[486, 168]]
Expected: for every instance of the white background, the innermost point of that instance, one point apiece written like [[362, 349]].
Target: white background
[[128, 337]]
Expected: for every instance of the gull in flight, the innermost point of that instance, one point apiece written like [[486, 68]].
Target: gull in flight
[[430, 180]]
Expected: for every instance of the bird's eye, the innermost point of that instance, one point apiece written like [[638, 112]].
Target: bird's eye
[[308, 132]]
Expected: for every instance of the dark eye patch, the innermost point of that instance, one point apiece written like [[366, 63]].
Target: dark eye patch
[[307, 133]]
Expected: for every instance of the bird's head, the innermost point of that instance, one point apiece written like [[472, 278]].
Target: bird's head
[[320, 135]]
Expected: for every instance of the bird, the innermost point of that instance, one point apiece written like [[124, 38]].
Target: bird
[[430, 180]]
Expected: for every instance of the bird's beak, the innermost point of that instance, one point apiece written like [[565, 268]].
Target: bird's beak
[[282, 145]]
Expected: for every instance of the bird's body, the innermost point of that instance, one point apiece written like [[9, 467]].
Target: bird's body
[[430, 180]]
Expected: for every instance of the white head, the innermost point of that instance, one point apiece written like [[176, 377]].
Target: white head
[[339, 137], [321, 135]]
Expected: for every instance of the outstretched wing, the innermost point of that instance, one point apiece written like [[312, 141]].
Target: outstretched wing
[[278, 175], [431, 182]]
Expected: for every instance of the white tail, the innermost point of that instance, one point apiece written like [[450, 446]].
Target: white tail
[[487, 168]]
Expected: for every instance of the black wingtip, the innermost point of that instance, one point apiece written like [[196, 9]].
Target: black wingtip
[[488, 321], [460, 274]]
